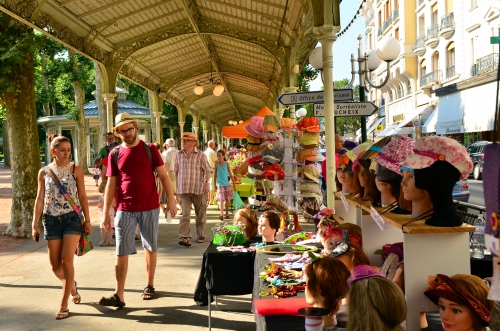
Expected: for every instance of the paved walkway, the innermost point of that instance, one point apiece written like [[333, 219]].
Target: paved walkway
[[29, 291]]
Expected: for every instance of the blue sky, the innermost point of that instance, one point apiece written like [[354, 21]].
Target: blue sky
[[345, 45]]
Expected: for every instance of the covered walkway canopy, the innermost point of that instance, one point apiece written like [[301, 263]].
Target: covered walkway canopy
[[254, 48]]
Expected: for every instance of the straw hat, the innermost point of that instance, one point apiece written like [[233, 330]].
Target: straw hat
[[189, 136], [122, 119]]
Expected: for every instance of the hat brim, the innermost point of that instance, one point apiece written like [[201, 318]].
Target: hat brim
[[269, 127], [115, 132], [417, 162], [310, 195], [315, 130], [271, 159], [314, 157], [311, 177]]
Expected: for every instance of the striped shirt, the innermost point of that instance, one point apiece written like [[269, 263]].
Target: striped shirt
[[190, 172]]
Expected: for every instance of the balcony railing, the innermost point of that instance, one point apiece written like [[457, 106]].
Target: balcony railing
[[485, 64], [432, 77], [450, 71], [386, 24], [395, 14], [379, 32], [419, 42], [448, 21], [432, 32], [369, 20]]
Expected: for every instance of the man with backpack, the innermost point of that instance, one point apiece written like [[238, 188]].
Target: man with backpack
[[104, 151], [130, 172]]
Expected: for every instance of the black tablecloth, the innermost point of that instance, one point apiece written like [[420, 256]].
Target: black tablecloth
[[482, 267], [224, 273]]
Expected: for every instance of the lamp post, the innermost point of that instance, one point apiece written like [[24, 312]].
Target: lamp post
[[388, 50]]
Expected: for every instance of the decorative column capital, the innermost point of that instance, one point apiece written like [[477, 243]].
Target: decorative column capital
[[109, 97]]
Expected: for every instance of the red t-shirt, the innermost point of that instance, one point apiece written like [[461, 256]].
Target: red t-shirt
[[135, 182]]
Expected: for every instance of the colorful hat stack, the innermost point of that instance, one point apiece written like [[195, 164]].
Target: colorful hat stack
[[395, 153], [309, 173]]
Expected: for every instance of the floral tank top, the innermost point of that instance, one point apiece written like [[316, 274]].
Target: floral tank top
[[55, 203]]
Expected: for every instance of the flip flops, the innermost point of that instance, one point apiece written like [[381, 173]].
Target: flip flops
[[149, 292], [185, 242], [112, 301], [60, 315], [201, 240], [76, 298]]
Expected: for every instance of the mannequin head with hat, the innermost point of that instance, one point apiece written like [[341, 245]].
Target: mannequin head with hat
[[420, 199], [439, 162], [126, 128], [345, 179]]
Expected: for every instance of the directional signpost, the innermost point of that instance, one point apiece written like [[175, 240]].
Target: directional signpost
[[364, 108], [313, 97]]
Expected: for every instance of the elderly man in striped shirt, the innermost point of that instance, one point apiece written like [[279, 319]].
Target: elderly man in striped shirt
[[192, 172]]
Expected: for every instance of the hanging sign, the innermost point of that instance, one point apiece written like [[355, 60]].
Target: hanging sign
[[365, 108]]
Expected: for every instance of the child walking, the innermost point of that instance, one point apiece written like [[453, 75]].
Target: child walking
[[111, 212], [96, 174], [224, 191]]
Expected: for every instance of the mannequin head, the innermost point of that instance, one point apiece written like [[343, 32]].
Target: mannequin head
[[331, 234], [269, 223], [326, 280], [346, 181], [387, 183], [351, 255], [462, 300], [247, 217], [376, 303], [420, 199], [438, 180]]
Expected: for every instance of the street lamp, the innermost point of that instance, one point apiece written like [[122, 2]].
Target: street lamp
[[388, 50], [301, 112]]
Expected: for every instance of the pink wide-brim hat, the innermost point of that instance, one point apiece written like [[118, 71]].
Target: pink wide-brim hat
[[256, 127], [431, 149], [395, 153]]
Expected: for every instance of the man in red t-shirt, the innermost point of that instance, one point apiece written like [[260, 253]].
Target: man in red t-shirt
[[137, 202]]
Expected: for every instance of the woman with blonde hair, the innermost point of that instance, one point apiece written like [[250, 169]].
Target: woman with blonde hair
[[375, 303], [62, 224]]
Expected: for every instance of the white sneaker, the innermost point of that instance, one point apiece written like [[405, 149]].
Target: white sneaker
[[102, 243]]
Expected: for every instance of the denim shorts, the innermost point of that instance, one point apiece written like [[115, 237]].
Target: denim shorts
[[55, 227]]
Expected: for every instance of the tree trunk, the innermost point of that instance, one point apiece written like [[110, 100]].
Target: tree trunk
[[45, 88], [80, 119], [5, 136], [101, 105], [23, 147]]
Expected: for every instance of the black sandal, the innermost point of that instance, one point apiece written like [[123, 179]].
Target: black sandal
[[185, 242], [112, 301], [149, 292]]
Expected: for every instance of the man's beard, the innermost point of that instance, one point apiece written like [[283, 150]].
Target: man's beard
[[131, 139]]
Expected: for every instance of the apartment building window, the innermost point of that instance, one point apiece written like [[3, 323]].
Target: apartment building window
[[435, 61], [423, 68], [396, 33], [450, 60], [380, 18], [434, 17]]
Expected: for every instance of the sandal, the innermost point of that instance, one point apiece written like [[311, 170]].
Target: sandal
[[148, 293], [77, 297], [60, 315], [221, 217], [201, 240], [112, 301], [184, 242], [228, 217]]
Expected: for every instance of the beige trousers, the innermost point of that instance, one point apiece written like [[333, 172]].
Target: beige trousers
[[200, 208]]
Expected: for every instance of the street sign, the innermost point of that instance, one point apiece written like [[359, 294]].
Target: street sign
[[417, 123], [365, 108], [314, 97]]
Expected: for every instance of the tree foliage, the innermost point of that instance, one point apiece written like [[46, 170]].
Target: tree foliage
[[347, 125]]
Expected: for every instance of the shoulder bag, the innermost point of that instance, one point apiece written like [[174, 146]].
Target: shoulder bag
[[84, 244]]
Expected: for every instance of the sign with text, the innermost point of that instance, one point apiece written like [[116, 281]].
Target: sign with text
[[314, 97], [365, 108]]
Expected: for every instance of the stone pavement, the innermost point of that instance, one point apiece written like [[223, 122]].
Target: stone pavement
[[30, 293]]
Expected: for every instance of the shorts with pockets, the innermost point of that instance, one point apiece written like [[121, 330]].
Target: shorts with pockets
[[125, 224], [55, 227]]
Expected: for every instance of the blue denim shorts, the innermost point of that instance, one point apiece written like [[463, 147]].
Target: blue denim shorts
[[55, 227]]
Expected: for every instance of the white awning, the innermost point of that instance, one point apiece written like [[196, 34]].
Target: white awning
[[430, 124], [369, 122], [450, 118], [406, 126], [479, 108], [388, 131]]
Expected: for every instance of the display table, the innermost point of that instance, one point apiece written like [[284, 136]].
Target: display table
[[428, 250]]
